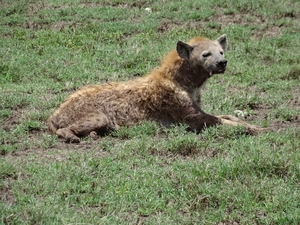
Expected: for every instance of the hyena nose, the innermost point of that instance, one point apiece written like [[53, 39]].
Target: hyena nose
[[222, 63]]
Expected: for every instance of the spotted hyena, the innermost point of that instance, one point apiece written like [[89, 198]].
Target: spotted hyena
[[169, 94]]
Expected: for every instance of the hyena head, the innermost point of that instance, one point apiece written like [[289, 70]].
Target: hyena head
[[206, 53]]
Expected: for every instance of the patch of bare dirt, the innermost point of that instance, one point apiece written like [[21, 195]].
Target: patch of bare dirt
[[34, 8], [56, 26], [13, 120], [279, 125], [268, 31], [264, 30], [6, 192], [6, 195], [168, 25], [295, 102], [236, 18], [262, 111], [187, 154], [61, 150], [229, 222]]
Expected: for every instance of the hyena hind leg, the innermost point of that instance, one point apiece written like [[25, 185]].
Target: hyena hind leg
[[68, 135], [88, 125]]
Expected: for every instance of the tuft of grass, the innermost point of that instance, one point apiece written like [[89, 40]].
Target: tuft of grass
[[137, 131]]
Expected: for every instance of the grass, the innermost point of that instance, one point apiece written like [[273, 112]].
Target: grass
[[146, 174]]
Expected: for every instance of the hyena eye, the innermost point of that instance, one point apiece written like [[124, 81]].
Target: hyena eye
[[221, 53], [206, 54]]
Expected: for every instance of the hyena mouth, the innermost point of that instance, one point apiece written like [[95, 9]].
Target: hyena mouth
[[216, 72]]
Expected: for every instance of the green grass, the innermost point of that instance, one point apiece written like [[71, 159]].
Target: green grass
[[147, 174]]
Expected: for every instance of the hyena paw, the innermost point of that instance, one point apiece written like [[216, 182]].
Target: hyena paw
[[93, 135], [254, 130], [68, 135], [72, 140], [231, 118]]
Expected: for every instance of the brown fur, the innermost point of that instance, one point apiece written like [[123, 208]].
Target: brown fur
[[169, 94]]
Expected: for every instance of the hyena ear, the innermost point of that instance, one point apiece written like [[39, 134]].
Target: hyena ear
[[223, 41], [184, 50]]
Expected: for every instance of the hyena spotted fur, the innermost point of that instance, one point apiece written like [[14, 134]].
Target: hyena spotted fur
[[169, 94]]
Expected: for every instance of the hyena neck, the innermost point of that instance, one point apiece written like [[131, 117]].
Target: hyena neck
[[190, 77]]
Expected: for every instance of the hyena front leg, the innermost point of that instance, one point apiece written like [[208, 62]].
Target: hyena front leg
[[91, 124], [234, 121], [197, 119]]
